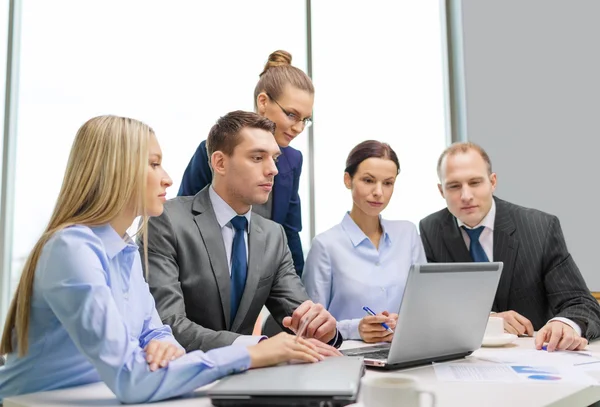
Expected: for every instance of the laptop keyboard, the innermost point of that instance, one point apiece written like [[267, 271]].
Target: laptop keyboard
[[371, 352]]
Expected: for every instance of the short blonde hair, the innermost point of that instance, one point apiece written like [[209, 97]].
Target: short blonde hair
[[106, 174], [461, 147]]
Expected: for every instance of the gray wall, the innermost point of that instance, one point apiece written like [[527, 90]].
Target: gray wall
[[532, 100]]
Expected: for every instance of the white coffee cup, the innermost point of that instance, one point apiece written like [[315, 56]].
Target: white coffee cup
[[494, 328], [391, 390]]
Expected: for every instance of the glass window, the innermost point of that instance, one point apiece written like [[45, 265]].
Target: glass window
[[379, 75], [3, 51], [5, 254], [176, 65]]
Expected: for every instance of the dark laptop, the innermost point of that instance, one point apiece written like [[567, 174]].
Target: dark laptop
[[333, 382], [443, 315]]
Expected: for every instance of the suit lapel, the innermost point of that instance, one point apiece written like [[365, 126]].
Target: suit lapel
[[454, 241], [256, 248], [505, 250], [211, 235]]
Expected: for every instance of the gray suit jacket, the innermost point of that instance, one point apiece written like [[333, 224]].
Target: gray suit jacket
[[540, 279], [190, 281]]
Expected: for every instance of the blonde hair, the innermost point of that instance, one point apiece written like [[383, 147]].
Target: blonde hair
[[105, 175], [278, 73]]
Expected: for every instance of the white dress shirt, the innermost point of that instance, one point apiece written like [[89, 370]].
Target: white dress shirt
[[487, 235], [487, 242], [224, 214]]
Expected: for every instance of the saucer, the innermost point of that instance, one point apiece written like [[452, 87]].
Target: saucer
[[499, 340]]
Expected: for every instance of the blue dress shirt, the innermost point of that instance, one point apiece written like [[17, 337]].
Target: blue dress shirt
[[344, 271], [91, 316]]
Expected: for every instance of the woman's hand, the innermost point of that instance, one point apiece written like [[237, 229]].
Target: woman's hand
[[371, 330], [323, 349], [160, 353], [283, 348]]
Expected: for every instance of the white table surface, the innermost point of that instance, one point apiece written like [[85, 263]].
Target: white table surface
[[448, 393]]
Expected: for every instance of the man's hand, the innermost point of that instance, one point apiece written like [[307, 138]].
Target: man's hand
[[371, 330], [321, 325], [515, 323], [160, 353], [560, 336]]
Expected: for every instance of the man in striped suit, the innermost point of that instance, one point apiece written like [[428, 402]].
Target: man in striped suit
[[541, 287]]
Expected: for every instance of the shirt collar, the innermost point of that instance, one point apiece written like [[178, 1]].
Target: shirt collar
[[113, 243], [223, 211], [487, 221], [386, 235], [355, 233]]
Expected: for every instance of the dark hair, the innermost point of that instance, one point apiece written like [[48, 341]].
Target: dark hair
[[461, 148], [224, 135], [369, 149], [279, 72]]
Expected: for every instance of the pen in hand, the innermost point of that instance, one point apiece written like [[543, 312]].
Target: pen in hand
[[302, 329], [383, 324]]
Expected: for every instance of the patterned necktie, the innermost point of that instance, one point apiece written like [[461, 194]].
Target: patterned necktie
[[475, 248], [239, 263]]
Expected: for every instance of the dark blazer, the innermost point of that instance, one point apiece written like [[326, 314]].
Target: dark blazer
[[189, 275], [286, 201], [540, 279]]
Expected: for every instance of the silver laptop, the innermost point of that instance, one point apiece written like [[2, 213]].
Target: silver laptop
[[443, 315], [333, 382]]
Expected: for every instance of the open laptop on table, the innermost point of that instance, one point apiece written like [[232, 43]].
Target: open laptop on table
[[443, 315], [334, 382]]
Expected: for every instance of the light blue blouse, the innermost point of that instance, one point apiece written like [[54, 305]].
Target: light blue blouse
[[91, 316], [344, 271]]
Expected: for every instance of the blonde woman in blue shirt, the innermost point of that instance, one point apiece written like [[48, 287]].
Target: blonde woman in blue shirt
[[82, 312], [364, 260]]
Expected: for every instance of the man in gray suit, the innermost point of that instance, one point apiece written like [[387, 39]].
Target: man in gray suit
[[213, 264], [540, 287]]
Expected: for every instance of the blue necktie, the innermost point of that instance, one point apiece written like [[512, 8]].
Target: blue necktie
[[239, 263], [475, 248]]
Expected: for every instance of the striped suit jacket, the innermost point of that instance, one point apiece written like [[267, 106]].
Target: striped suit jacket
[[540, 279]]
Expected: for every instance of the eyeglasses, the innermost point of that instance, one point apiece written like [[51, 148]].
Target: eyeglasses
[[292, 117]]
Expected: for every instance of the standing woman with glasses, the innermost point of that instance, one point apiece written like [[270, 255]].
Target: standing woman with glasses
[[284, 94]]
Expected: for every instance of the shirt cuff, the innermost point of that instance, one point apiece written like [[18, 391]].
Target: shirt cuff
[[567, 321], [337, 340], [349, 328], [248, 340], [228, 360]]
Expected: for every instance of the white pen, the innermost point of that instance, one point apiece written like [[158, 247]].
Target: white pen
[[302, 329]]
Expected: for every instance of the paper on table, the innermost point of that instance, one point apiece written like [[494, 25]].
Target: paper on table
[[497, 372], [536, 357], [475, 372]]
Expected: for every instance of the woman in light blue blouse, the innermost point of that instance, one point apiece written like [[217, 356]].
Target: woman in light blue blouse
[[83, 312], [364, 260]]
